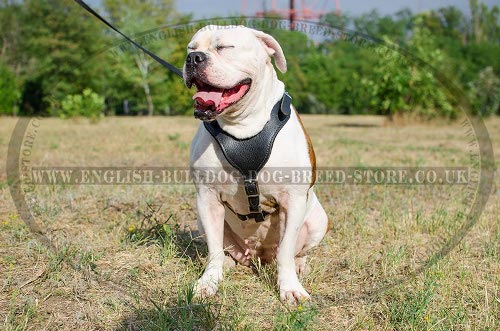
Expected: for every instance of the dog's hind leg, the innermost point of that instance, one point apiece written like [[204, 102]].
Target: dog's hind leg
[[231, 245], [310, 235], [314, 228]]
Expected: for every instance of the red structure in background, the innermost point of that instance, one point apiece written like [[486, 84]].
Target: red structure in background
[[305, 12]]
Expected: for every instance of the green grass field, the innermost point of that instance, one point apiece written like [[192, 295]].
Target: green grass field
[[124, 257]]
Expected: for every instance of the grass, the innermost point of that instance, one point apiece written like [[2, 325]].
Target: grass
[[124, 257]]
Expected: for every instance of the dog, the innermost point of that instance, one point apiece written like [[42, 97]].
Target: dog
[[238, 92]]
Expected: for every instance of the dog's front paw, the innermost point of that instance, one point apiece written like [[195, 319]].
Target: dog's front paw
[[291, 291], [206, 287]]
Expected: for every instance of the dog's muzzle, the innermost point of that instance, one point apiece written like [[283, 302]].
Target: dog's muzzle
[[210, 99], [195, 58], [195, 65]]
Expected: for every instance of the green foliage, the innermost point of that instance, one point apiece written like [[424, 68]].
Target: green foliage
[[407, 84], [373, 24], [140, 71], [185, 313], [10, 39], [484, 22], [410, 312], [297, 318], [9, 93], [58, 44], [485, 93], [389, 87], [51, 51], [88, 104]]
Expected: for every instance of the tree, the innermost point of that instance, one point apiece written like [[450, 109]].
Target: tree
[[51, 51], [485, 93], [335, 20], [9, 53], [395, 26], [453, 22], [407, 84], [9, 94], [484, 22], [134, 17], [58, 43], [10, 30]]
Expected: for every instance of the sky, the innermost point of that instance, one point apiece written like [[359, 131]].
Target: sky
[[209, 8], [205, 9]]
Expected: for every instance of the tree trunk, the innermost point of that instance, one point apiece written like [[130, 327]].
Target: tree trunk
[[143, 65], [4, 48], [149, 99], [475, 20]]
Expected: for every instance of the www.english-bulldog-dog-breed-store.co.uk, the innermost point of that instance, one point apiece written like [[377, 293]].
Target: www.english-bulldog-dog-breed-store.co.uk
[[249, 125]]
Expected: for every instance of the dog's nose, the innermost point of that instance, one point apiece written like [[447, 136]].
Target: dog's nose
[[195, 58]]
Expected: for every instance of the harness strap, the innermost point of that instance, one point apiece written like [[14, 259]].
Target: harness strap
[[258, 217], [250, 155]]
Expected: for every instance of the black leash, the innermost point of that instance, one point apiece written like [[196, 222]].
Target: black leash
[[164, 63]]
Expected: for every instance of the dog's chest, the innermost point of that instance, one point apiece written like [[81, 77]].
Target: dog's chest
[[211, 168]]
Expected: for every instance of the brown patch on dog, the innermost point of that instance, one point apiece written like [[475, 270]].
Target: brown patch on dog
[[312, 156], [269, 206], [330, 224]]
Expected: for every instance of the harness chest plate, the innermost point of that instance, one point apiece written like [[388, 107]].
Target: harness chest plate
[[250, 155]]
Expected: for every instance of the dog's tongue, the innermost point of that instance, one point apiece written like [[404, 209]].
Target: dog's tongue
[[208, 98]]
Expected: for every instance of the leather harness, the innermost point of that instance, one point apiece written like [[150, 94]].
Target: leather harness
[[249, 155]]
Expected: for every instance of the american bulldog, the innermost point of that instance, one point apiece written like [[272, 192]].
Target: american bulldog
[[239, 96]]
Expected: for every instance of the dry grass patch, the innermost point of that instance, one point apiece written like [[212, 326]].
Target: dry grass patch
[[124, 257]]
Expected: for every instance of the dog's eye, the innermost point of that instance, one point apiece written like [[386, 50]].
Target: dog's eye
[[221, 47]]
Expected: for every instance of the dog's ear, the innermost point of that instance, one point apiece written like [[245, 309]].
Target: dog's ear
[[273, 49]]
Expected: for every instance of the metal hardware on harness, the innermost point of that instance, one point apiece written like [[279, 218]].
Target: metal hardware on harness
[[258, 217], [250, 155], [252, 191]]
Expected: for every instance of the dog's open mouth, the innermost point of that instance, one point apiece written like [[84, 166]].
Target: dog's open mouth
[[210, 100]]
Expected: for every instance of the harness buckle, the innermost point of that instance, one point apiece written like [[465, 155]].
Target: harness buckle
[[251, 187], [253, 193]]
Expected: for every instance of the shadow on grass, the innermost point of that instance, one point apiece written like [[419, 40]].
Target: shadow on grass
[[175, 241], [188, 313], [183, 313], [355, 125]]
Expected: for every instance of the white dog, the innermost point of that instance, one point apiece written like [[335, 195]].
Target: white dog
[[249, 127]]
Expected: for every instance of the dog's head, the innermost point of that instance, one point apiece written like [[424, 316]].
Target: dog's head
[[223, 63]]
